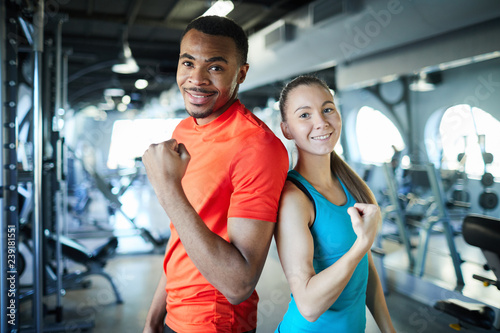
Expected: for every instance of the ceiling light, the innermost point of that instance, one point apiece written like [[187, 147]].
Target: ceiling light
[[128, 67], [220, 8], [114, 92], [141, 84], [422, 83], [127, 64], [126, 99], [121, 107]]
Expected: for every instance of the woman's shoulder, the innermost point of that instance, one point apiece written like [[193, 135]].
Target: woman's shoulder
[[294, 202], [291, 190]]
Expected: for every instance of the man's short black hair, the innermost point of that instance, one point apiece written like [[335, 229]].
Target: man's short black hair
[[222, 26]]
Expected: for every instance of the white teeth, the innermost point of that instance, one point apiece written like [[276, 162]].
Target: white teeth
[[321, 137]]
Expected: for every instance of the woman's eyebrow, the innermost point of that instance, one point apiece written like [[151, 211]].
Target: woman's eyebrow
[[302, 107]]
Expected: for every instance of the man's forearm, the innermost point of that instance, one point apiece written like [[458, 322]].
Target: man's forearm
[[157, 310], [224, 265]]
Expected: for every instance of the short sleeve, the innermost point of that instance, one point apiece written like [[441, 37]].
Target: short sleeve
[[258, 173]]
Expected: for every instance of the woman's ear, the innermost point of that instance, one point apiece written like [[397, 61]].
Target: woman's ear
[[286, 131]]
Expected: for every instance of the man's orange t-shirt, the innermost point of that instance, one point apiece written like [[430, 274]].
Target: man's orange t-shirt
[[237, 169]]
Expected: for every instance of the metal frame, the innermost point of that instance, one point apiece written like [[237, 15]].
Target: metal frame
[[10, 208], [38, 166], [428, 223], [395, 211], [436, 213]]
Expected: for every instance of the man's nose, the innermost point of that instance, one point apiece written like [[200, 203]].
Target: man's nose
[[198, 76]]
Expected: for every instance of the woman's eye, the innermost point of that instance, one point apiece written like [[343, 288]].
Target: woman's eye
[[328, 110], [304, 115]]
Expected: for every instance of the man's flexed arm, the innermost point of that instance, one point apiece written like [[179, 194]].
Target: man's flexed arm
[[232, 267]]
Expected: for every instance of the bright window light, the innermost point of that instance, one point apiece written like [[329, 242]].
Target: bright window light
[[459, 130], [131, 138], [376, 135], [220, 8]]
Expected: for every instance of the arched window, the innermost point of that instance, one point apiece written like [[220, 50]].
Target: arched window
[[376, 135], [470, 130]]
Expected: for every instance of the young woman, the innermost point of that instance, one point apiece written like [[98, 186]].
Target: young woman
[[328, 220]]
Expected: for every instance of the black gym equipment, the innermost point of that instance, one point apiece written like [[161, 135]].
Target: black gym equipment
[[479, 315], [487, 179], [9, 221], [483, 232], [93, 260], [33, 192], [460, 196], [488, 199]]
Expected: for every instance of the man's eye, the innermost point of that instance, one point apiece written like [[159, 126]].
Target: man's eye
[[216, 68]]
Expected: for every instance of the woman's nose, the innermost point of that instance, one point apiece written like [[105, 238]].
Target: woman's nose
[[320, 121]]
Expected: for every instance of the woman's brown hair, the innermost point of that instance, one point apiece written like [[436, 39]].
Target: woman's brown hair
[[352, 181]]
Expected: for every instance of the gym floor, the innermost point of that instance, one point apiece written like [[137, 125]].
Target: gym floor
[[136, 269]]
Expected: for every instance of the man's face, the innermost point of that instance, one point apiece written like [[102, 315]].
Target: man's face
[[208, 74]]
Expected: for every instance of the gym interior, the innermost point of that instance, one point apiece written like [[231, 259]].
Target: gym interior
[[87, 85]]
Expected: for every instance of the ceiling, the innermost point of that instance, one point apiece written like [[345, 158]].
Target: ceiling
[[93, 31]]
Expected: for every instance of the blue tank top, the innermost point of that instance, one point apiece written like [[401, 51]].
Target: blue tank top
[[333, 236]]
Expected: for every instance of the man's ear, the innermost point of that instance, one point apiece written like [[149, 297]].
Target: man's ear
[[286, 131], [242, 74]]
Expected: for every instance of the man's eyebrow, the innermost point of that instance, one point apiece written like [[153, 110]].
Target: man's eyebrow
[[214, 59], [186, 55]]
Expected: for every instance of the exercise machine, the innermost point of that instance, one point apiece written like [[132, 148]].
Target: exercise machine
[[483, 232], [113, 198], [422, 209]]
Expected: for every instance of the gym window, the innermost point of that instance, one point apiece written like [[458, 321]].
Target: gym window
[[470, 131], [131, 138], [376, 135]]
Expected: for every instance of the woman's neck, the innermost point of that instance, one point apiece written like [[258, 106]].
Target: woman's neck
[[316, 169]]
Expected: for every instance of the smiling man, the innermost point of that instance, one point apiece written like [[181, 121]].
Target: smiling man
[[219, 180]]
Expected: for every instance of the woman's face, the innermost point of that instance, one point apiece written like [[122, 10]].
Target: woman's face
[[312, 120]]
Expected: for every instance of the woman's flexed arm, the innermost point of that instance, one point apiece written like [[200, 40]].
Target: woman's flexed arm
[[315, 293]]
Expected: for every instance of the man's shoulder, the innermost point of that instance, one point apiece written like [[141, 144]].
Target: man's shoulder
[[185, 123], [250, 122]]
